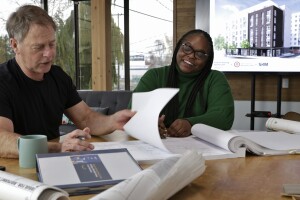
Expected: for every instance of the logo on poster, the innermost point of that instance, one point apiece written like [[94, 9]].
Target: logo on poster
[[236, 64], [263, 64]]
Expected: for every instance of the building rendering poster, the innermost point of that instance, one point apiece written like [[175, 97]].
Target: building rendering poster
[[255, 35]]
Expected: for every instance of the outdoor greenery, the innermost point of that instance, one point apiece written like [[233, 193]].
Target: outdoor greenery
[[245, 44], [220, 43], [5, 51], [117, 54], [65, 56]]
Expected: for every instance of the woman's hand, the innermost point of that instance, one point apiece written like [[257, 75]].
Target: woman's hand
[[180, 128], [163, 131], [76, 141]]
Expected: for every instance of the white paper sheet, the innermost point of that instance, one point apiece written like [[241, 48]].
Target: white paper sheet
[[144, 124], [145, 153]]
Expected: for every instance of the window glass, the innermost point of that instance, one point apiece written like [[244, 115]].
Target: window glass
[[150, 37], [74, 50], [6, 8], [85, 45], [117, 48], [63, 14]]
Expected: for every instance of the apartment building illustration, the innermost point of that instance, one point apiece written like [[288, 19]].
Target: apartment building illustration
[[295, 30], [271, 30]]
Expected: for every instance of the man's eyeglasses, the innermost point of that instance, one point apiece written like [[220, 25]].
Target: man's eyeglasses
[[187, 49]]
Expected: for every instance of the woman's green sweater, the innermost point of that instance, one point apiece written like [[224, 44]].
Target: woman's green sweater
[[218, 100]]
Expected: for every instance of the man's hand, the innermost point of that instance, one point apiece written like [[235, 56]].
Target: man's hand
[[76, 141], [120, 118]]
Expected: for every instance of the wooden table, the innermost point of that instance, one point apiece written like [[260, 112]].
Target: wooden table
[[252, 177]]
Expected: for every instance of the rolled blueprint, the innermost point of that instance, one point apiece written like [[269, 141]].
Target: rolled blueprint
[[277, 124]]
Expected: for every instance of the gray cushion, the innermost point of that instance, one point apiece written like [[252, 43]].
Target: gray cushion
[[114, 100], [100, 110], [105, 102], [104, 111]]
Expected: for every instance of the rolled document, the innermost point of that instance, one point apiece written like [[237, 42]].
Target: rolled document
[[160, 181], [18, 187], [284, 125]]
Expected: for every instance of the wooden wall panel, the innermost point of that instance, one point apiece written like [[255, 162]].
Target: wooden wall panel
[[240, 86], [101, 45], [266, 88], [184, 20]]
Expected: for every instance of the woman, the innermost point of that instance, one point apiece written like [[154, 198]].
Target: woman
[[204, 96]]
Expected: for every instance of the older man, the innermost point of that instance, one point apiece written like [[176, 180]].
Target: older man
[[34, 93]]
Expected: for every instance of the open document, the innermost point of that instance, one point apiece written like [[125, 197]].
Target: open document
[[259, 143], [213, 143], [149, 147], [160, 181], [17, 187]]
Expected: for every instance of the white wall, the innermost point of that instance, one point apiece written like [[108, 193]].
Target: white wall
[[241, 122]]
